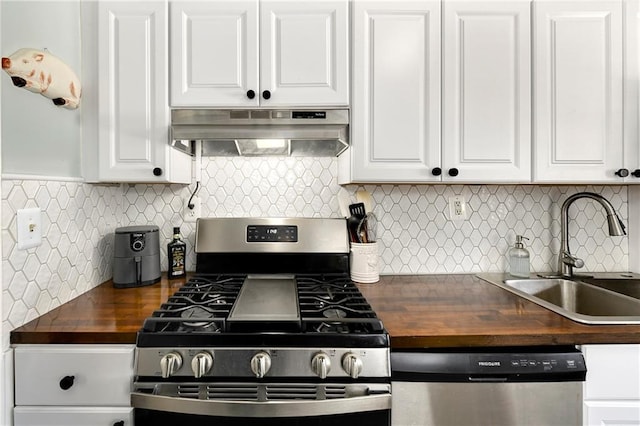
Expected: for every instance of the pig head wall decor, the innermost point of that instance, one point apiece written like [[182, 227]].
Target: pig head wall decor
[[41, 72]]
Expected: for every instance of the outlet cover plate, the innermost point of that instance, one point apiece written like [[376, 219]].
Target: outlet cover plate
[[191, 215], [457, 208], [29, 223]]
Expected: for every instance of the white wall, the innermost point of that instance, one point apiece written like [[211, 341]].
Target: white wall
[[32, 124], [6, 397]]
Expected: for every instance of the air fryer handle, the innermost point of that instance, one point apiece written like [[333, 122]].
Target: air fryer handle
[[138, 261]]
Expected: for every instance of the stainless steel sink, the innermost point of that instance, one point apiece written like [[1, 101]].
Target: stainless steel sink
[[628, 286], [576, 300]]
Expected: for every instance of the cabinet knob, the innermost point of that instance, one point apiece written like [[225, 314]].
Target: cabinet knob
[[157, 171], [66, 382], [251, 94], [622, 173], [453, 172], [436, 171], [266, 94], [636, 173], [119, 423]]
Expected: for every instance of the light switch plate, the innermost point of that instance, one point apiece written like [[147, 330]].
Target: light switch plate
[[29, 223]]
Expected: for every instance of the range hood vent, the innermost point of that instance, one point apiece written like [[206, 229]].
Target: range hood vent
[[300, 133]]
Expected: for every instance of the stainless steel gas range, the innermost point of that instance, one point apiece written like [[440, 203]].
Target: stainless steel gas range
[[270, 330]]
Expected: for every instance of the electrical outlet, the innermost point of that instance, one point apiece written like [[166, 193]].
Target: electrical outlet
[[190, 215], [29, 223], [457, 208]]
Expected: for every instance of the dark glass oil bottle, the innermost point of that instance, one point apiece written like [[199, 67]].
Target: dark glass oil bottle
[[177, 252]]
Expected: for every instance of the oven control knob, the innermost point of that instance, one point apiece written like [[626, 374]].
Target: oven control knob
[[201, 364], [260, 364], [170, 363], [352, 365], [321, 365]]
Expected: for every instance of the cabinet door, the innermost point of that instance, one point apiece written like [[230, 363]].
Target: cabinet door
[[72, 375], [613, 372], [612, 413], [578, 90], [72, 416], [214, 53], [396, 91], [133, 119], [486, 133], [632, 91], [304, 53]]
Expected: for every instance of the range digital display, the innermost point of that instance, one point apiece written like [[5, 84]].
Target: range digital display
[[272, 234]]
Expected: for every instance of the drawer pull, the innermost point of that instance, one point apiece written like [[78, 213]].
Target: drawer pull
[[66, 382]]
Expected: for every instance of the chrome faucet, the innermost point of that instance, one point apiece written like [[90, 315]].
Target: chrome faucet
[[567, 261]]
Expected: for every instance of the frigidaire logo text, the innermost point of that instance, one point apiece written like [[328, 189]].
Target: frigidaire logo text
[[489, 363]]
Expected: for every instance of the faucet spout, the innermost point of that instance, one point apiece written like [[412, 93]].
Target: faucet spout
[[567, 261]]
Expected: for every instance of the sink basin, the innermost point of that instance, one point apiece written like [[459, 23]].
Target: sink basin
[[628, 286], [576, 300]]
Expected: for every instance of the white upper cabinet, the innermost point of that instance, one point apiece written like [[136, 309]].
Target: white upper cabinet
[[486, 130], [578, 77], [631, 91], [131, 100], [395, 126], [399, 48], [214, 53], [260, 53]]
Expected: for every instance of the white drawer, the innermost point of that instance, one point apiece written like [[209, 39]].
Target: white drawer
[[73, 416], [102, 374], [613, 371]]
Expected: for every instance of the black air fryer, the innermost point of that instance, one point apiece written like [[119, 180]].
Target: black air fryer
[[136, 260]]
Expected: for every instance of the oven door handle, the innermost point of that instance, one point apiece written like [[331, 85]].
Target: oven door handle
[[290, 408]]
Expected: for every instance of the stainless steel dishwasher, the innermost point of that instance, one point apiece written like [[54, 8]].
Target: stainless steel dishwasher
[[537, 386]]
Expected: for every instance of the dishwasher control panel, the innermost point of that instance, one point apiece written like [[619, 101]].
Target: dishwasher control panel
[[458, 365], [526, 363]]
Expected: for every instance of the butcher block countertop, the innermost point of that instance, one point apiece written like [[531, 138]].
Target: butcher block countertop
[[419, 311]]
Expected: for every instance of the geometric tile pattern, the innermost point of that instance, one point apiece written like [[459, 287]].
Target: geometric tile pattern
[[76, 251], [414, 231]]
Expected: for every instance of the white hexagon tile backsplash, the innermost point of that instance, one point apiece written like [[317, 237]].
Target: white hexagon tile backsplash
[[414, 231]]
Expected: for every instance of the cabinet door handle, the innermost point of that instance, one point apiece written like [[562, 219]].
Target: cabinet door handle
[[436, 171], [622, 173], [157, 171], [251, 94], [636, 173], [453, 172], [119, 423], [266, 94], [66, 382]]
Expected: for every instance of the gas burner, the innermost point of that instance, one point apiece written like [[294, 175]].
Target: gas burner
[[334, 313], [207, 300], [332, 327], [202, 318]]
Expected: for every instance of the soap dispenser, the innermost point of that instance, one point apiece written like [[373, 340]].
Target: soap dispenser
[[519, 259]]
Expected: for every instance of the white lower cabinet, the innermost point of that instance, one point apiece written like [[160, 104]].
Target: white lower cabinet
[[612, 388], [73, 416], [73, 385]]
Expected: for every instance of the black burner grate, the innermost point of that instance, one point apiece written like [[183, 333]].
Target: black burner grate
[[328, 303]]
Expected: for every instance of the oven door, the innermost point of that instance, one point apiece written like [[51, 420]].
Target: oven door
[[262, 404]]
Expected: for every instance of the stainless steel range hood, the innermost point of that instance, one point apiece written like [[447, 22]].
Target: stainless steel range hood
[[302, 133]]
